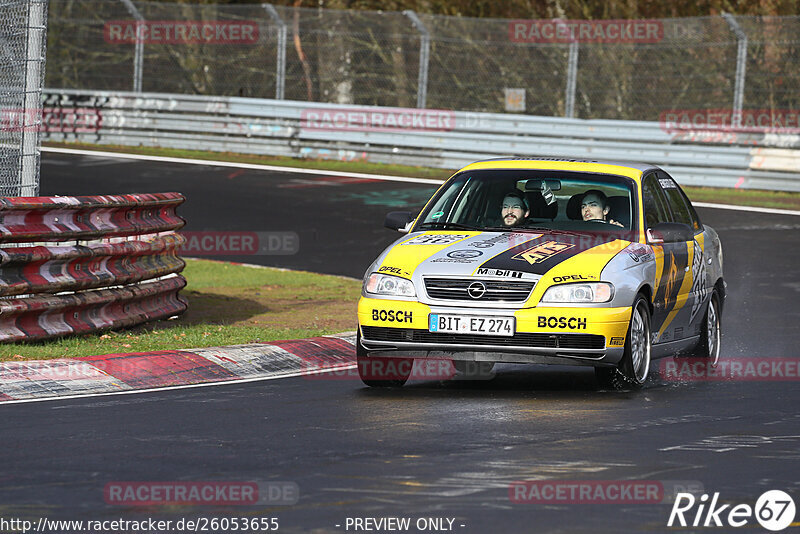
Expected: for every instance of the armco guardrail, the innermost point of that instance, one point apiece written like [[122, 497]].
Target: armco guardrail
[[437, 138], [79, 264]]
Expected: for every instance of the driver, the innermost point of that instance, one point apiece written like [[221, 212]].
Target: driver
[[515, 209], [594, 207]]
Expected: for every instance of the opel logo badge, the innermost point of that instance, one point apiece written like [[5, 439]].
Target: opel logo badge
[[464, 254], [476, 290]]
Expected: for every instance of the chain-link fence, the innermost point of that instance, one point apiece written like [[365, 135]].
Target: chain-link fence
[[590, 69], [22, 52]]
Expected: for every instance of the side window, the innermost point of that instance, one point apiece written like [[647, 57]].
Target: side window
[[443, 209], [655, 209], [473, 204], [682, 212], [464, 202]]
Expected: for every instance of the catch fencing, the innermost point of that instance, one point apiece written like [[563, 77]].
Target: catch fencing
[[743, 158], [23, 26], [72, 265], [624, 70]]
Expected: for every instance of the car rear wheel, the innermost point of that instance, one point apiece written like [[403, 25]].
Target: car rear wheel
[[710, 333], [382, 372], [634, 367]]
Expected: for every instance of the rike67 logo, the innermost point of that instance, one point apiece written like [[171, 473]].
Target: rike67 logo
[[774, 510]]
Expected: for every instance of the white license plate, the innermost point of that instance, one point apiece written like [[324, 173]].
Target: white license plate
[[471, 324]]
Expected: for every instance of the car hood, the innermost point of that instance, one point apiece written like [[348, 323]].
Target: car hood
[[504, 254]]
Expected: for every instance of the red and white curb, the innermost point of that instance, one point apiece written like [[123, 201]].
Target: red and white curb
[[135, 372]]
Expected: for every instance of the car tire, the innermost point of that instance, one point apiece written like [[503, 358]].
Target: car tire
[[473, 370], [710, 332], [634, 367], [381, 372]]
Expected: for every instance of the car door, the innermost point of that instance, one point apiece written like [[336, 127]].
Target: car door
[[688, 318], [671, 290]]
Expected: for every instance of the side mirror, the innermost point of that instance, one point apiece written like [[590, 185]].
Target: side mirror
[[399, 220], [670, 233]]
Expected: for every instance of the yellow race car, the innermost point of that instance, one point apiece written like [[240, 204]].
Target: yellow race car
[[594, 263]]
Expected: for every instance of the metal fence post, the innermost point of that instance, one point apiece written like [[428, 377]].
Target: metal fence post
[[138, 47], [424, 57], [572, 80], [741, 67], [280, 69], [572, 72], [30, 142]]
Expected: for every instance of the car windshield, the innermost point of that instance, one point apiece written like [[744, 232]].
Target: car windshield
[[532, 199]]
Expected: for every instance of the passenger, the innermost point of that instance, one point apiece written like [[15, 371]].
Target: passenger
[[594, 207], [515, 209]]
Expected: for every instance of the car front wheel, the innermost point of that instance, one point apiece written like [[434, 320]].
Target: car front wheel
[[382, 372], [634, 367]]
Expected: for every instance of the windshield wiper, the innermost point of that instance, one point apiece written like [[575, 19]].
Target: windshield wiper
[[530, 229], [457, 226], [507, 229], [554, 230]]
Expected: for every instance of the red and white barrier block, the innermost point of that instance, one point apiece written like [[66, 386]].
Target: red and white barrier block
[[115, 373]]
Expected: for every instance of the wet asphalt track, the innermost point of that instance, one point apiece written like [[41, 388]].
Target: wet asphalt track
[[428, 449]]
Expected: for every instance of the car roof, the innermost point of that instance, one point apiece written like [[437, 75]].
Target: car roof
[[630, 169]]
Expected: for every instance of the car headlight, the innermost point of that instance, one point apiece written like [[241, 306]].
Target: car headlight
[[384, 284], [583, 292]]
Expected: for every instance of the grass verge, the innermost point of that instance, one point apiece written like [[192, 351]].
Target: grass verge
[[739, 197], [229, 304]]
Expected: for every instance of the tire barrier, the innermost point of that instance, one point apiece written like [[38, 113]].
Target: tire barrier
[[26, 219], [73, 265], [42, 269]]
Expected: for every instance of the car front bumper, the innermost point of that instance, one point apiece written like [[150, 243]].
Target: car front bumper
[[552, 335]]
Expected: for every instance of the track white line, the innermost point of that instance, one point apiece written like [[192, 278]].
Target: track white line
[[185, 386], [319, 172], [745, 208], [252, 166]]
